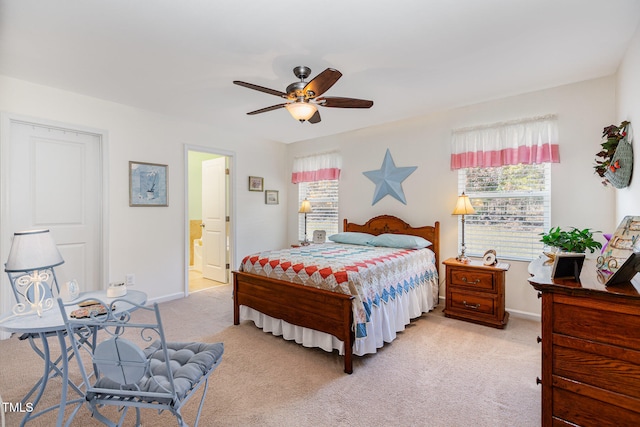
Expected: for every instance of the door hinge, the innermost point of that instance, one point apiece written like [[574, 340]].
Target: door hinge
[[228, 266], [226, 171], [227, 218]]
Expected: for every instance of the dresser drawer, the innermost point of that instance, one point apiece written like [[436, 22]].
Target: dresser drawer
[[472, 279], [611, 369], [576, 409], [603, 323], [462, 301]]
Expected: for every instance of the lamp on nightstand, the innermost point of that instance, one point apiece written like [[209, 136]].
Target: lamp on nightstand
[[305, 208], [463, 207]]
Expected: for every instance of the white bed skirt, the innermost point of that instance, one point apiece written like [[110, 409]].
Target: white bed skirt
[[386, 320]]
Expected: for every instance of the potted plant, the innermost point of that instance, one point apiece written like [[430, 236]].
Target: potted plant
[[572, 240]]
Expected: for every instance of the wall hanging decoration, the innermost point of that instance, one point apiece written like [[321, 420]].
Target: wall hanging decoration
[[614, 163], [256, 183], [271, 197], [388, 179], [148, 184]]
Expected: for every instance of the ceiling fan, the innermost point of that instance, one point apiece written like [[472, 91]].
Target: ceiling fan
[[304, 97]]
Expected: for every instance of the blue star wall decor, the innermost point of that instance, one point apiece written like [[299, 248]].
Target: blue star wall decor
[[388, 179]]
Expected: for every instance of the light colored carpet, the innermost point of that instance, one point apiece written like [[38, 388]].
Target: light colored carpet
[[439, 372]]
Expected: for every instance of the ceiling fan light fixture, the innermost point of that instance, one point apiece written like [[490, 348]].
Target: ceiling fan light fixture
[[301, 111]]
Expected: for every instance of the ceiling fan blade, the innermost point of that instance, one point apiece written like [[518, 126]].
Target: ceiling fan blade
[[315, 118], [339, 102], [322, 82], [261, 88], [264, 110]]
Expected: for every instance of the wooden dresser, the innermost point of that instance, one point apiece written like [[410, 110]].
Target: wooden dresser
[[475, 292], [590, 349]]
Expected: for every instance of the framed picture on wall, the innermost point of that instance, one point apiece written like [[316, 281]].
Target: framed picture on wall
[[148, 184], [271, 197], [256, 183]]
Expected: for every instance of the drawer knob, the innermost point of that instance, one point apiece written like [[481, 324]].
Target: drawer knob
[[538, 381], [539, 340], [475, 282], [539, 294], [473, 306]]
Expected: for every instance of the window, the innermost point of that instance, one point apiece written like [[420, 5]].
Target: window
[[512, 205], [323, 196]]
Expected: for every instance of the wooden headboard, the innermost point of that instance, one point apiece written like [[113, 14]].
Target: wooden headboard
[[391, 224]]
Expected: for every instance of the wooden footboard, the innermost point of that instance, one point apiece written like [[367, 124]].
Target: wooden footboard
[[300, 305]]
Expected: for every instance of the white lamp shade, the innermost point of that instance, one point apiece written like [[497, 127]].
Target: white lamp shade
[[463, 206], [301, 110], [305, 207], [33, 250]]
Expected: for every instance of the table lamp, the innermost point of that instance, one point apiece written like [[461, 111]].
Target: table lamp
[[463, 207], [305, 208], [34, 254]]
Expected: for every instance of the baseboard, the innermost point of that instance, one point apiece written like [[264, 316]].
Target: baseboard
[[166, 298], [524, 315]]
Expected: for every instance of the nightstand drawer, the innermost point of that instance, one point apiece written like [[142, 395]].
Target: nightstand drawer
[[472, 279], [461, 301]]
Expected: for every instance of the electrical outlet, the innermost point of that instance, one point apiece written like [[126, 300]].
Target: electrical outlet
[[130, 279]]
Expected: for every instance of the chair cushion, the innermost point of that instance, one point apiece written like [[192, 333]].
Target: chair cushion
[[188, 362]]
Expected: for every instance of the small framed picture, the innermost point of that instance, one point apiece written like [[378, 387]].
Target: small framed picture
[[147, 184], [567, 265], [256, 183], [271, 197]]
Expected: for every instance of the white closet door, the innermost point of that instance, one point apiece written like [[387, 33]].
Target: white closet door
[[55, 183]]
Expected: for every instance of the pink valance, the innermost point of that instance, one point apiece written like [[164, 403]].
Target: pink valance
[[318, 167], [527, 141]]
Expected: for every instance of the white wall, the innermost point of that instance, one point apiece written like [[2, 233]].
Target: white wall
[[578, 198], [628, 200], [150, 242]]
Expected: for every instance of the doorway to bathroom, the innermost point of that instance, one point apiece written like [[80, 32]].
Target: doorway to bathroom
[[208, 206]]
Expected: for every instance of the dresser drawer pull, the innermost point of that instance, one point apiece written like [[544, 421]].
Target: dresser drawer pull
[[539, 340], [538, 381], [474, 306], [475, 282]]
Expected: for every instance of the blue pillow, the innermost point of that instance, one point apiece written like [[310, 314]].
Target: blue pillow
[[403, 241], [351, 238]]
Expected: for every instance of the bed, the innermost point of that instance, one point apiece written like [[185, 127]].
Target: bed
[[268, 290]]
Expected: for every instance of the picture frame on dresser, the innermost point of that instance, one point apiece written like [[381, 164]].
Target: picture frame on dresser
[[626, 272], [567, 265]]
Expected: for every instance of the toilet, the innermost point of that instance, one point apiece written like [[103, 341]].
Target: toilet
[[197, 254]]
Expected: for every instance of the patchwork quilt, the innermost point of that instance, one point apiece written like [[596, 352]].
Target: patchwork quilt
[[373, 275]]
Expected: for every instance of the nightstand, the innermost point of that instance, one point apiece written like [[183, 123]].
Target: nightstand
[[475, 292]]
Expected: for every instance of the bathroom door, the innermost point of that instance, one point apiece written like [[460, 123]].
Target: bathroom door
[[214, 235]]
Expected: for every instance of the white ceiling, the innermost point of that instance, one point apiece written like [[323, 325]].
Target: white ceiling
[[410, 57]]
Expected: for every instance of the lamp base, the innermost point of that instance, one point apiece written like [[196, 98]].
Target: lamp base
[[305, 243], [463, 259]]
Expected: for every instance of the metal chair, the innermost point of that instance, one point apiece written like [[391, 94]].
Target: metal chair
[[162, 376]]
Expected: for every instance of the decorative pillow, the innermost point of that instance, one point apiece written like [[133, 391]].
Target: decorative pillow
[[351, 238], [403, 241]]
